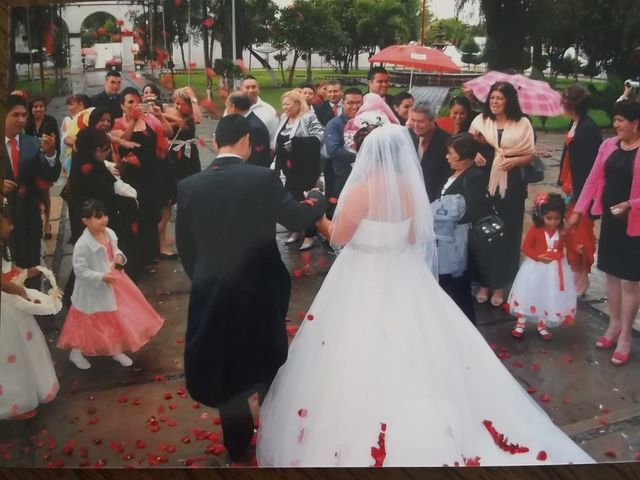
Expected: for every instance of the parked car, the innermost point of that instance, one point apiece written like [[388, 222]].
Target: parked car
[[114, 64]]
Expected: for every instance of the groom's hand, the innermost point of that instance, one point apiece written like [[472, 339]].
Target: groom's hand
[[316, 200]]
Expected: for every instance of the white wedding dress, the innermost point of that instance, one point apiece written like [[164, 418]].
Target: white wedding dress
[[387, 345], [386, 370]]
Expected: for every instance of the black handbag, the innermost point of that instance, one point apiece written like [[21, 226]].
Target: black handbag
[[486, 234], [533, 172]]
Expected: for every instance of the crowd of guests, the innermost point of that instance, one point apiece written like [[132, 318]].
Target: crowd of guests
[[124, 151]]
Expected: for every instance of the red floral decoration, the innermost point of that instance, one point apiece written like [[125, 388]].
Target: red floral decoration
[[379, 453], [502, 441]]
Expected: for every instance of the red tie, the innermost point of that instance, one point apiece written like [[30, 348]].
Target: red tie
[[334, 109], [15, 156]]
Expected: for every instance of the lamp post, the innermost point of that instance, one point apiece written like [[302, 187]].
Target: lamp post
[[233, 42]]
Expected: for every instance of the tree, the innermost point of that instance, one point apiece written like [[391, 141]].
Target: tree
[[507, 25], [301, 28], [346, 43], [258, 26], [451, 30], [383, 23]]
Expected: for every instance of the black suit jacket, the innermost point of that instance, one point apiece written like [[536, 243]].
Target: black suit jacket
[[472, 185], [33, 169], [111, 102], [583, 150], [226, 236], [435, 167], [260, 142], [324, 112]]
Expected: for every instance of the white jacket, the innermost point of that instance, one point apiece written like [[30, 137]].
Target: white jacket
[[90, 262]]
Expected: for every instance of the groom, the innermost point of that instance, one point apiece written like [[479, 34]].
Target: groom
[[226, 236]]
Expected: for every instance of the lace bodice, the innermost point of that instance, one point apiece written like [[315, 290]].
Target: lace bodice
[[376, 236]]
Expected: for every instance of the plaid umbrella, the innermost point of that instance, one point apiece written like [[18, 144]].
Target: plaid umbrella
[[535, 97]]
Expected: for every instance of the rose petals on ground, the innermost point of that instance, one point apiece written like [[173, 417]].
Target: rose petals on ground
[[542, 455], [610, 453], [535, 367], [302, 412], [140, 444], [545, 397]]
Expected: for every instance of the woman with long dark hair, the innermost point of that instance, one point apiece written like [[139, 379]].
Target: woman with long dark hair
[[38, 122], [510, 141]]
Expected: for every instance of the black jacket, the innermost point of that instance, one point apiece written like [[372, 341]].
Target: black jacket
[[111, 102], [583, 150], [472, 185], [435, 167], [260, 142], [226, 236]]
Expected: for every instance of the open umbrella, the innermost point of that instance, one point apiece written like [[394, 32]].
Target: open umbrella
[[535, 97], [416, 57]]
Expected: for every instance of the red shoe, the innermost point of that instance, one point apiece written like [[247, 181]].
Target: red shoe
[[26, 415], [518, 330], [542, 330], [619, 358], [604, 343]]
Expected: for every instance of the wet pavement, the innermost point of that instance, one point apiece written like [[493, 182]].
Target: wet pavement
[[141, 416]]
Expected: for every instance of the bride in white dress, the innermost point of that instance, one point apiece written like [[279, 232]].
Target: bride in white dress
[[386, 370]]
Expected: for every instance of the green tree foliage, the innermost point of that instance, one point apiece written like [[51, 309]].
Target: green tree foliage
[[469, 45], [450, 30], [301, 29], [382, 23]]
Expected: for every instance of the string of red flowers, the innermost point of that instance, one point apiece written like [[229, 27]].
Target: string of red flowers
[[503, 442]]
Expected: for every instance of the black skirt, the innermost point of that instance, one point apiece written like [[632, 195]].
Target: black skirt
[[618, 253]]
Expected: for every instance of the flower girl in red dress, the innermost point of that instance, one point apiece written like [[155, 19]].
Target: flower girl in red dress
[[109, 315], [544, 291]]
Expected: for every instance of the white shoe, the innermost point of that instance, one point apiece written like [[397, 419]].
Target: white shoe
[[78, 359], [308, 243], [292, 239], [123, 360]]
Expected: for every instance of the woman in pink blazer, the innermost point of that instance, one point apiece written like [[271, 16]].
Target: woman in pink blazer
[[613, 191]]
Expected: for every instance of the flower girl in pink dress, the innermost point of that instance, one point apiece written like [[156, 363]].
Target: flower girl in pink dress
[[109, 315]]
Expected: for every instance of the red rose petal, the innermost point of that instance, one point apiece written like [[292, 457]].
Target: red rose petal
[[567, 359], [170, 448], [84, 452], [535, 367], [302, 412], [517, 364], [604, 409], [532, 389], [136, 402], [122, 399], [545, 397], [159, 378], [29, 335], [168, 396], [140, 444], [610, 453], [542, 455], [11, 359], [196, 405], [93, 420], [292, 330], [532, 309], [172, 406], [216, 421], [310, 317], [185, 439], [116, 447], [638, 456], [180, 340], [210, 73], [297, 272]]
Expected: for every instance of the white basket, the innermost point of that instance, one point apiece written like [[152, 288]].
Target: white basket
[[39, 303]]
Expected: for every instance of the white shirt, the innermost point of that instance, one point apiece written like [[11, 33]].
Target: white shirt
[[267, 114]]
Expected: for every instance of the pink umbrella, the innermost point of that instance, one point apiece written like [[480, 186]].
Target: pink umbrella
[[535, 97]]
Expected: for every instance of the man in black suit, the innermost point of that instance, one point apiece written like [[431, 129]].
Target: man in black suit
[[29, 164], [332, 107], [431, 143], [226, 235], [240, 104], [110, 96]]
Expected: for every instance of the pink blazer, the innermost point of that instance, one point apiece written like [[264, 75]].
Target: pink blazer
[[594, 187]]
